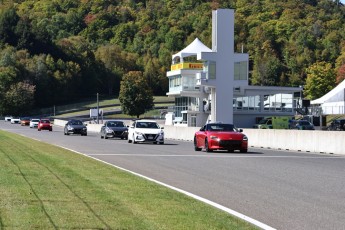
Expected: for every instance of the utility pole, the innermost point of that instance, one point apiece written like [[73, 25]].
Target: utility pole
[[97, 110]]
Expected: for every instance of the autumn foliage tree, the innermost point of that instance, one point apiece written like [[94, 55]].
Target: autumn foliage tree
[[70, 50], [320, 80], [18, 99], [135, 95]]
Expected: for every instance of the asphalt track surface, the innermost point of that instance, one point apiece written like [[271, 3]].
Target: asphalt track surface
[[282, 189]]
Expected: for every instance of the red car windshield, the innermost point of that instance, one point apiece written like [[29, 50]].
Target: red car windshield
[[220, 127]]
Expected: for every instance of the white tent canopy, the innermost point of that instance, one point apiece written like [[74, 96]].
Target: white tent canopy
[[335, 95], [191, 50]]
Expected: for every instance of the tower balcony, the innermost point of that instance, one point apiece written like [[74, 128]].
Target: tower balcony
[[187, 65]]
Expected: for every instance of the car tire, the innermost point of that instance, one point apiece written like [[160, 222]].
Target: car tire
[[244, 150], [231, 150], [161, 143], [105, 137], [155, 142], [195, 145], [129, 141], [38, 129], [207, 147]]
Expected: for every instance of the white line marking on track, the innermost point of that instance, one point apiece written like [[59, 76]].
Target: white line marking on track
[[221, 207], [214, 156]]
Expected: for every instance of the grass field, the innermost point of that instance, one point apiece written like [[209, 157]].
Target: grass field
[[46, 187], [82, 109]]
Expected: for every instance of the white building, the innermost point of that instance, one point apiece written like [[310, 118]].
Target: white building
[[212, 84]]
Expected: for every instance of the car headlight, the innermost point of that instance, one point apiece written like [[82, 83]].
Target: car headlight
[[108, 130], [69, 127], [214, 138], [245, 138], [138, 133]]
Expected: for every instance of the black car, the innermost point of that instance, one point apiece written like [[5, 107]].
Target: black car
[[301, 125], [75, 127], [112, 129], [337, 125]]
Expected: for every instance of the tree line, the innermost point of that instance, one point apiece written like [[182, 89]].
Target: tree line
[[54, 51]]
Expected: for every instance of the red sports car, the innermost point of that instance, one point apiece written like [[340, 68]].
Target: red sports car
[[44, 124], [214, 136]]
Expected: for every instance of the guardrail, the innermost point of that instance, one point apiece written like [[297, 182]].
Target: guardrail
[[330, 142]]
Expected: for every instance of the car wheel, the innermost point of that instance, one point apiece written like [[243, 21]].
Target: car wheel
[[39, 129], [105, 137], [196, 146], [50, 130], [244, 150], [207, 147], [155, 142], [231, 150], [129, 141], [161, 143]]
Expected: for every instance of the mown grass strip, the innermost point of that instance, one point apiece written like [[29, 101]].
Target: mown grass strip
[[46, 187]]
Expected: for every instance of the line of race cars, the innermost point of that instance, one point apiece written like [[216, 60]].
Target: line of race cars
[[40, 124], [212, 136]]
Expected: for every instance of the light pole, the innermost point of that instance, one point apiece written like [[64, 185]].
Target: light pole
[[97, 110]]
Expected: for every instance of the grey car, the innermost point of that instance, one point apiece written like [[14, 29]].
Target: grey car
[[75, 127], [112, 129]]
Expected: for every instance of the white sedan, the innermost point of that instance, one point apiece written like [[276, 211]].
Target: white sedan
[[145, 131], [15, 120], [8, 118], [34, 123]]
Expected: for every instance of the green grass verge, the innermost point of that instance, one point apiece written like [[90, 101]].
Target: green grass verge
[[69, 110], [46, 187]]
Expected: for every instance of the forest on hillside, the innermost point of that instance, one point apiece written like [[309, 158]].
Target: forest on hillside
[[53, 51]]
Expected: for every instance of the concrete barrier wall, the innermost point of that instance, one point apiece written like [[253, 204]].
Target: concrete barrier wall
[[296, 140]]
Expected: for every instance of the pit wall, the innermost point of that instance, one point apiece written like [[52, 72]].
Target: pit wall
[[331, 142]]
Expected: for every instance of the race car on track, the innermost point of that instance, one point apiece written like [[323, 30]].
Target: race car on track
[[219, 136], [145, 131]]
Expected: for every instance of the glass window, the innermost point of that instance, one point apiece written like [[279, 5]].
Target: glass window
[[240, 71], [210, 69]]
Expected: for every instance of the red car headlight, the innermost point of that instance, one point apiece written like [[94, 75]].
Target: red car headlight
[[214, 138], [245, 138]]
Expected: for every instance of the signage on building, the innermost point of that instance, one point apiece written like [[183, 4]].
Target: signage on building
[[187, 65]]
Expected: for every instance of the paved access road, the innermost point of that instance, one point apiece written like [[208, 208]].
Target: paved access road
[[285, 190]]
